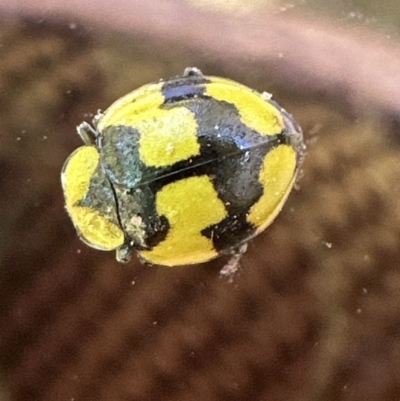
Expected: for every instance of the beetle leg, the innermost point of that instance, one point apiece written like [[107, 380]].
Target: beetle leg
[[232, 265], [123, 253], [87, 133]]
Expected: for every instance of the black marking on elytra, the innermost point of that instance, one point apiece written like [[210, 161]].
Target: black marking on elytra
[[139, 203], [183, 88], [241, 152], [119, 155], [230, 232]]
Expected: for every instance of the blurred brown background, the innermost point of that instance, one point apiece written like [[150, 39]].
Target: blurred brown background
[[314, 311]]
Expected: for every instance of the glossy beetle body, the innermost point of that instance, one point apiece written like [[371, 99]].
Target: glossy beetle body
[[182, 170]]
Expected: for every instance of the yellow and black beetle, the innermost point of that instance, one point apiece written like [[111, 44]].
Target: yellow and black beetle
[[182, 170]]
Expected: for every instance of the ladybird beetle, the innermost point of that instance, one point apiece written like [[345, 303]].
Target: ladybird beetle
[[182, 170]]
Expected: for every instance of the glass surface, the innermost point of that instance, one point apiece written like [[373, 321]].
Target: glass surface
[[313, 313]]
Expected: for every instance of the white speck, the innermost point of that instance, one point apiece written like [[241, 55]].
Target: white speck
[[328, 244], [217, 126], [358, 311], [154, 323], [345, 387], [267, 95], [78, 251], [170, 148], [133, 282], [286, 7], [44, 137], [136, 221], [18, 138], [280, 55], [72, 25], [365, 291]]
